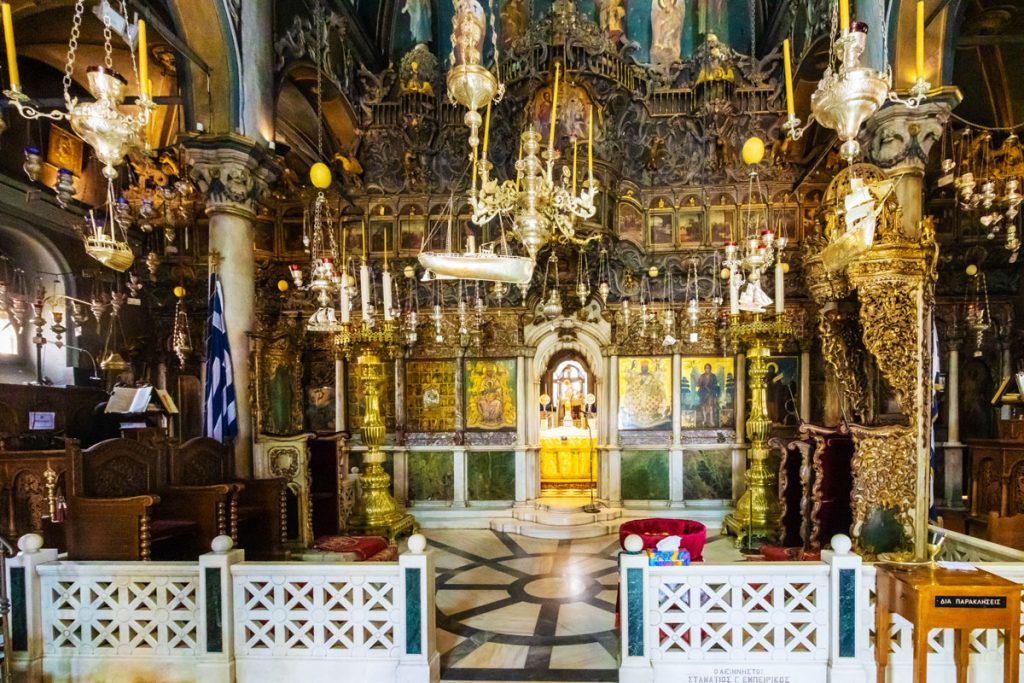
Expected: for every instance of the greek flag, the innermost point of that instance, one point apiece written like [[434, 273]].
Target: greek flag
[[221, 410]]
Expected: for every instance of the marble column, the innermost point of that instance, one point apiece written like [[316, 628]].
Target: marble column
[[257, 67], [805, 383], [739, 454], [953, 453], [676, 454], [522, 425], [232, 173], [459, 451], [614, 476], [459, 467], [340, 395]]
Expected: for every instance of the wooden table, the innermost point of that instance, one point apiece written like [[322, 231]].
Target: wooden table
[[930, 598]]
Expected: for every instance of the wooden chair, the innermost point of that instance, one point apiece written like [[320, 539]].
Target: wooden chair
[[121, 508], [1008, 531], [258, 506], [831, 483], [794, 490]]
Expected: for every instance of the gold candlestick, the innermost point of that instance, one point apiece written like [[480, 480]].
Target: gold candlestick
[[758, 514]]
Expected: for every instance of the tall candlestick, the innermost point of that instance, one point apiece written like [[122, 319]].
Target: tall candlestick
[[734, 303], [590, 144], [554, 111], [487, 130], [844, 16], [788, 65], [920, 40], [364, 241], [575, 150], [364, 290], [143, 61], [386, 283], [385, 249], [780, 292], [12, 57], [344, 297]]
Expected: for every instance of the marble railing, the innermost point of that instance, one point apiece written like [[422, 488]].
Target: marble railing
[[964, 548], [772, 621], [221, 618]]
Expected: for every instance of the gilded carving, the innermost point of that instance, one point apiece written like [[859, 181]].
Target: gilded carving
[[842, 353], [884, 476]]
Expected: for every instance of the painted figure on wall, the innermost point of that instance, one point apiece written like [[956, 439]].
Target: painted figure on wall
[[666, 30], [513, 22], [419, 19], [320, 409], [708, 393], [707, 388], [644, 393], [573, 103], [491, 394], [610, 14]]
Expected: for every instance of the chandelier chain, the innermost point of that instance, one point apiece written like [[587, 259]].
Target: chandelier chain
[[108, 57], [131, 51], [494, 44], [320, 87], [69, 66]]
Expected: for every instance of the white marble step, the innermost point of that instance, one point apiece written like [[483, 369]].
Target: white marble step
[[550, 517], [556, 532]]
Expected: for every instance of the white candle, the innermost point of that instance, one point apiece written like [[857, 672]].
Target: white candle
[[364, 289], [780, 294], [344, 299], [386, 281], [734, 303]]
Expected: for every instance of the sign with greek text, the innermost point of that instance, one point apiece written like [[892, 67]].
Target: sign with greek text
[[971, 601]]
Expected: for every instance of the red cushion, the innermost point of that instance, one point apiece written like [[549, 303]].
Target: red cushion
[[692, 534], [363, 546]]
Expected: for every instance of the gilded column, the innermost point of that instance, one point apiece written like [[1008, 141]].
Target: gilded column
[[805, 383], [739, 454], [232, 173]]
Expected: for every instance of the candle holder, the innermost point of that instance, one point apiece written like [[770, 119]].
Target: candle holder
[[758, 515]]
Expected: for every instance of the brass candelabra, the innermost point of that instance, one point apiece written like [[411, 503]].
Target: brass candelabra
[[757, 514], [378, 513]]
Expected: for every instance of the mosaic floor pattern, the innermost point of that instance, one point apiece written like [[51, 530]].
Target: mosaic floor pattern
[[511, 608]]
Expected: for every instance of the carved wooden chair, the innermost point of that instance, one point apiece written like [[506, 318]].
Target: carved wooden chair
[[1008, 531], [257, 510], [121, 508], [831, 483], [794, 490]]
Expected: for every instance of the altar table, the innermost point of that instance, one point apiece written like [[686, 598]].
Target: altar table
[[933, 597]]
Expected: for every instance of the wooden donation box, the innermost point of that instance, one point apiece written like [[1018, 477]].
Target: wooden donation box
[[933, 597], [568, 460]]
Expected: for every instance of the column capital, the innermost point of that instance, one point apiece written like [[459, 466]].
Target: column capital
[[232, 172], [898, 138]]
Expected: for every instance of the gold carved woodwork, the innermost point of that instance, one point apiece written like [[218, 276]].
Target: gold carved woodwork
[[843, 354], [884, 476]]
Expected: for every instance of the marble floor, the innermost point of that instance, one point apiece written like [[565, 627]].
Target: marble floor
[[512, 608]]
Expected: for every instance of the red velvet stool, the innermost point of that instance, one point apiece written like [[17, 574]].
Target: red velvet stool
[[692, 534]]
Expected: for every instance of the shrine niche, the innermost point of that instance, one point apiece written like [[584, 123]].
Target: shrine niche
[[645, 388], [491, 394]]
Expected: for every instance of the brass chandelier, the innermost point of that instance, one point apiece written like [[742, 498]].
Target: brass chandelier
[[849, 92]]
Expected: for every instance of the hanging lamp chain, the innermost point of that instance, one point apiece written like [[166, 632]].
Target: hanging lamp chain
[[69, 66]]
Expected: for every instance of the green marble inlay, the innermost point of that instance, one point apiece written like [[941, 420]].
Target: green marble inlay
[[847, 613], [214, 612], [707, 475], [431, 475], [491, 476], [645, 475], [413, 633], [635, 619], [19, 615]]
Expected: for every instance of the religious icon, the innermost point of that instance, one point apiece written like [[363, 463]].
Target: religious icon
[[378, 228], [690, 225], [722, 220], [666, 30], [631, 223], [491, 394], [320, 408], [573, 104], [644, 398], [783, 379], [659, 228], [419, 19], [412, 234], [707, 387], [610, 14], [513, 22]]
